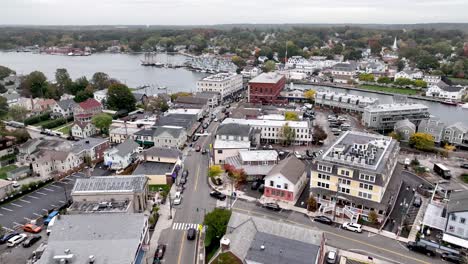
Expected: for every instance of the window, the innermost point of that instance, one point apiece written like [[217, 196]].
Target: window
[[366, 186], [272, 183], [365, 195], [451, 228], [220, 151], [323, 185], [285, 186], [344, 172], [324, 168], [344, 190], [344, 181], [365, 177], [324, 176], [462, 220], [454, 218]]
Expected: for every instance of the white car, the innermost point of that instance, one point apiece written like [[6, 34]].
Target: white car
[[297, 154], [178, 198], [331, 257], [16, 240], [352, 227]]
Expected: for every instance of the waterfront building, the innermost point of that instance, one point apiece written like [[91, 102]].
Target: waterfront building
[[432, 79], [226, 84], [344, 101], [384, 116], [270, 130], [84, 111], [266, 88], [404, 128], [409, 74], [343, 72], [443, 90], [356, 173], [432, 126]]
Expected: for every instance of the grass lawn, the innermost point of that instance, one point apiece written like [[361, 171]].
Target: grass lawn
[[459, 81], [464, 177], [65, 129], [404, 91], [155, 188], [226, 258], [39, 125], [4, 170]]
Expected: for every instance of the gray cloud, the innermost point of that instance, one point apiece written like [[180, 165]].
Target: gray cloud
[[183, 12]]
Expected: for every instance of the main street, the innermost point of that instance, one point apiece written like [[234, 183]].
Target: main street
[[196, 203]]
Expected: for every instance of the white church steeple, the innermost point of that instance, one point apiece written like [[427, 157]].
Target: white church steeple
[[395, 45]]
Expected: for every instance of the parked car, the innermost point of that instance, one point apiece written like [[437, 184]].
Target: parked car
[[352, 227], [464, 166], [159, 254], [298, 155], [205, 125], [331, 257], [182, 181], [31, 240], [272, 206], [216, 119], [181, 188], [16, 184], [185, 174], [417, 201], [16, 240], [178, 198], [323, 219], [197, 148], [450, 257], [32, 228], [217, 181], [7, 236], [195, 138], [191, 234], [218, 195], [421, 248], [204, 151], [255, 185], [261, 188]]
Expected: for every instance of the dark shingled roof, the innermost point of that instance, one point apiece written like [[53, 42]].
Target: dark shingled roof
[[66, 104], [154, 168], [291, 168], [233, 129], [163, 152], [458, 202]]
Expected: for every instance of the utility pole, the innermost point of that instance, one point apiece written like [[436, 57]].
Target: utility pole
[[336, 200], [170, 205]]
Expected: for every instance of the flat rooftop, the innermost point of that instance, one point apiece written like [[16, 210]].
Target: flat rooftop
[[345, 96], [124, 131], [99, 207], [270, 77], [396, 107], [122, 183], [154, 168], [266, 123], [258, 155], [219, 77], [362, 150], [231, 144]]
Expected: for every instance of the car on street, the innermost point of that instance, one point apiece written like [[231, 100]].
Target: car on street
[[31, 240], [421, 248], [216, 119], [195, 138], [16, 184], [182, 181], [197, 148], [297, 154], [181, 188], [352, 227], [16, 240], [417, 201], [178, 198], [255, 185], [218, 195], [32, 228], [204, 151], [159, 254], [450, 257], [205, 125], [331, 257], [191, 234], [7, 236], [272, 206], [185, 174], [323, 219], [464, 166]]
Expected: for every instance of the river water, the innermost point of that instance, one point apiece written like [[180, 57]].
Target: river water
[[127, 69]]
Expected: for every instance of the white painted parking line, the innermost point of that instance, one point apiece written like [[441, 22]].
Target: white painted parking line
[[16, 224], [34, 197], [41, 193], [47, 189], [55, 186], [27, 219], [53, 205], [24, 201], [47, 211], [6, 209], [37, 214], [62, 201], [1, 215], [17, 205]]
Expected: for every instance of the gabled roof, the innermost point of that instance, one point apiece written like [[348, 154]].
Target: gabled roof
[[460, 126], [90, 103], [405, 123], [163, 152], [81, 124], [448, 88], [66, 104], [126, 147], [173, 131], [291, 168]]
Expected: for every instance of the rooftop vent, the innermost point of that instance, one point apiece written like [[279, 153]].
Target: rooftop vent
[[91, 259], [262, 247]]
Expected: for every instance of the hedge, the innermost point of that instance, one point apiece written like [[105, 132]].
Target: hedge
[[54, 123], [37, 118]]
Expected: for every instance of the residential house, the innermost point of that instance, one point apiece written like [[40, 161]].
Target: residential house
[[434, 127], [122, 155], [29, 150], [343, 72], [230, 139], [42, 105], [161, 136], [100, 95], [286, 180], [84, 111], [293, 95], [63, 108], [160, 165], [120, 134], [255, 163], [250, 72], [12, 98], [253, 239], [404, 128], [47, 163], [81, 129], [456, 134], [7, 144], [90, 148], [443, 90], [456, 228], [432, 79], [409, 74], [92, 238]]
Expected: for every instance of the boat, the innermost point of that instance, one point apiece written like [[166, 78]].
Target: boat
[[449, 102]]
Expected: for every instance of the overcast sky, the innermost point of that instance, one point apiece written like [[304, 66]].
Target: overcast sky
[[189, 12]]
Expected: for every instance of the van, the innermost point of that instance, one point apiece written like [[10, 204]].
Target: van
[[50, 216], [442, 171], [50, 225]]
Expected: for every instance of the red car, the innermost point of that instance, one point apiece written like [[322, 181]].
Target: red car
[[32, 228]]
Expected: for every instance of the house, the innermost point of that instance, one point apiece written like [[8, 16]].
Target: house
[[293, 95], [42, 105], [250, 72], [63, 108], [405, 129], [434, 127], [255, 163], [160, 165], [432, 79], [120, 134], [84, 111], [6, 187], [90, 148], [82, 129], [161, 136], [456, 134], [12, 98], [100, 95], [190, 102], [93, 238], [47, 163], [286, 180], [214, 98], [456, 228], [443, 90], [253, 239], [409, 74], [266, 88], [7, 144], [230, 139], [343, 72], [122, 155], [29, 150], [131, 189]]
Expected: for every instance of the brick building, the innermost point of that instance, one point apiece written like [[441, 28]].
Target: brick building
[[266, 88]]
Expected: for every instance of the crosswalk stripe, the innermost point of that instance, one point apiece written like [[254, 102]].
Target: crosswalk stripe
[[183, 226]]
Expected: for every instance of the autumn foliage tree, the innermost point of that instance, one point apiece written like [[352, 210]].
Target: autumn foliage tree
[[422, 141], [238, 176]]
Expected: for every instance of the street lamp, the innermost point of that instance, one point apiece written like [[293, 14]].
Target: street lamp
[[336, 200]]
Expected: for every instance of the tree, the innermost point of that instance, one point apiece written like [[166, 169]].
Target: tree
[[102, 121], [3, 106], [291, 116], [18, 113], [269, 66], [100, 80], [420, 83], [82, 96], [214, 171], [395, 135], [53, 92], [34, 84], [384, 80], [156, 104], [366, 77], [119, 97], [63, 80], [3, 89], [21, 135], [422, 141], [401, 65], [175, 95], [310, 94], [216, 222], [311, 204], [287, 134], [319, 134], [5, 72], [238, 61], [78, 85], [373, 217], [403, 82], [427, 62]]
